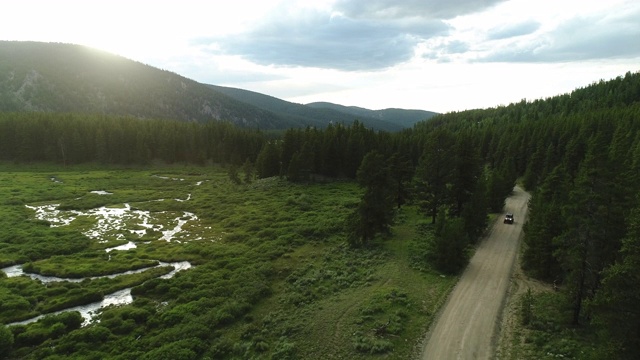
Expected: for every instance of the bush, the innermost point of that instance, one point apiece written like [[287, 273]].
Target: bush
[[179, 350], [6, 342], [526, 308], [95, 334], [371, 345], [449, 253], [284, 350]]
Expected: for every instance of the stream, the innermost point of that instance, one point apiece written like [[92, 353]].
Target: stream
[[120, 297], [109, 222]]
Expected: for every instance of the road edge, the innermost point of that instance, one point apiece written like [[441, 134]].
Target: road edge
[[420, 345]]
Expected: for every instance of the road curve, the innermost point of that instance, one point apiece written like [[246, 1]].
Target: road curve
[[469, 320]]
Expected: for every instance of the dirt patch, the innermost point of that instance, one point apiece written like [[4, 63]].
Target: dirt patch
[[469, 322]]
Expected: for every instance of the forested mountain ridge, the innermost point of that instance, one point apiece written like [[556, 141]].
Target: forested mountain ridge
[[53, 77], [75, 79], [317, 113], [405, 117]]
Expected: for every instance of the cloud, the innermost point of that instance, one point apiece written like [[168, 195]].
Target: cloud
[[513, 30], [427, 9], [443, 50], [352, 35], [324, 40], [584, 38], [229, 76], [456, 47]]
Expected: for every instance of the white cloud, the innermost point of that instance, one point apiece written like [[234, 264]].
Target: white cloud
[[593, 36], [429, 54], [425, 9], [329, 39], [513, 30]]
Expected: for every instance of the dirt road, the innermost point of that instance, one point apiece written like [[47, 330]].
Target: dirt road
[[467, 325]]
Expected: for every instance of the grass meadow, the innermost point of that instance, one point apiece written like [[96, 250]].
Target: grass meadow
[[272, 276]]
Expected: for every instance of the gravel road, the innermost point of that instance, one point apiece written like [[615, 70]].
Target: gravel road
[[467, 326]]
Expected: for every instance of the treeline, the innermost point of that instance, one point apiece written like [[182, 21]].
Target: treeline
[[75, 139], [435, 167], [579, 154], [583, 213]]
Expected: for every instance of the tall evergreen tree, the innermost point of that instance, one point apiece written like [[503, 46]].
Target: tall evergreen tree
[[401, 174], [593, 231], [448, 254], [496, 189], [294, 171], [466, 172], [434, 172], [376, 209], [475, 211], [268, 161], [546, 222], [616, 304]]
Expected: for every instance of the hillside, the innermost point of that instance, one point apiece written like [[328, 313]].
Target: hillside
[[70, 78], [54, 77], [314, 114], [405, 118]]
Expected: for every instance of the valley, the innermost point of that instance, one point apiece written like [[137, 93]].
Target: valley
[[266, 256], [146, 216]]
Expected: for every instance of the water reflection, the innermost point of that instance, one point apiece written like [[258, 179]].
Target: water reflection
[[120, 297], [113, 221], [127, 246]]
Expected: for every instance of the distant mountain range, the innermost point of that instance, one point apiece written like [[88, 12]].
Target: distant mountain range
[[53, 77], [321, 113]]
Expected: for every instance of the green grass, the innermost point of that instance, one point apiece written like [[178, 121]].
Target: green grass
[[88, 264], [272, 275], [549, 334]]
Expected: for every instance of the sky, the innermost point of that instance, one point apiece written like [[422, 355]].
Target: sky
[[436, 55]]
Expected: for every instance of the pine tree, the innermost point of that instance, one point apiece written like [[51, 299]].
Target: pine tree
[[546, 222], [465, 174], [448, 254], [434, 172], [616, 304], [268, 161], [401, 173], [294, 172], [375, 212], [592, 236], [474, 213]]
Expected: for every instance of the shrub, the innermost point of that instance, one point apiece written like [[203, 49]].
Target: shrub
[[6, 342], [284, 350], [526, 308], [371, 345]]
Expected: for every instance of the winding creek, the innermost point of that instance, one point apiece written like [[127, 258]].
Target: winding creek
[[120, 297], [111, 222]]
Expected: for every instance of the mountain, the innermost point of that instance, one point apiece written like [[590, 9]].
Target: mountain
[[405, 118], [54, 77], [312, 114]]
